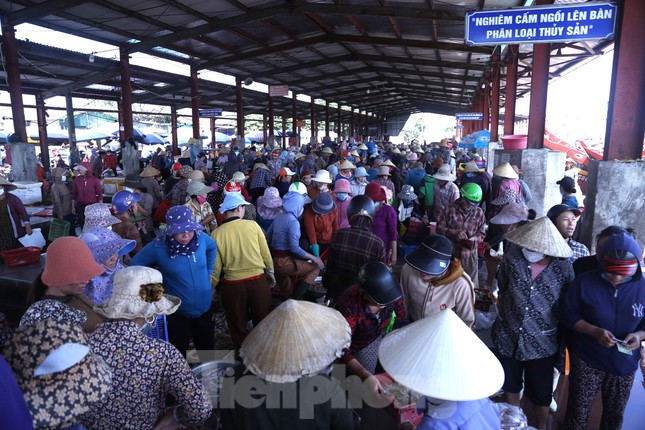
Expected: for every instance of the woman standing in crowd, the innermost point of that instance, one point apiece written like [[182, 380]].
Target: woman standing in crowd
[[107, 248], [385, 221], [199, 206], [321, 223], [342, 197], [269, 206], [186, 257], [283, 237], [147, 370], [603, 308], [14, 221]]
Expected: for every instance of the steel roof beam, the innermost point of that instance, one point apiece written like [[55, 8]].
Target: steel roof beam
[[311, 8], [81, 83], [30, 13]]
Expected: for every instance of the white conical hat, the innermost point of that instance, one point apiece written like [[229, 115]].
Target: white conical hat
[[297, 339], [440, 357], [505, 171], [541, 236]]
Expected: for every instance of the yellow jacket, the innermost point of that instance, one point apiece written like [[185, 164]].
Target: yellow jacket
[[242, 250]]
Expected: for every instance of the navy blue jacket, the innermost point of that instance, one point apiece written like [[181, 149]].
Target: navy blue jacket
[[620, 310]]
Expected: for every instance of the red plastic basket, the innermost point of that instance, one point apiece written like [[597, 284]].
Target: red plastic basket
[[21, 256]]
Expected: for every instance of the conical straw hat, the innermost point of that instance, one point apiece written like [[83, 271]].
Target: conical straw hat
[[541, 236], [297, 339], [505, 171], [440, 357]]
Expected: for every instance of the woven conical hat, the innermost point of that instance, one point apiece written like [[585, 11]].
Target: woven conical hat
[[297, 339], [541, 236], [505, 171], [440, 357]]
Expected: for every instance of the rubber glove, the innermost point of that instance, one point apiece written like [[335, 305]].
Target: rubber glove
[[270, 273], [315, 250]]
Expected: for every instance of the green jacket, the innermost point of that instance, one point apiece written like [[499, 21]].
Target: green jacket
[[426, 190]]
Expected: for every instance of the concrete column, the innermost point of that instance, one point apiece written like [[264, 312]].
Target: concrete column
[[126, 97], [41, 114], [615, 198], [511, 89], [173, 122], [12, 68], [494, 102], [194, 101], [23, 162], [625, 119]]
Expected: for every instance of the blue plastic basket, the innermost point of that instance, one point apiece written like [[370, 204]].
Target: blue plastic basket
[[160, 329]]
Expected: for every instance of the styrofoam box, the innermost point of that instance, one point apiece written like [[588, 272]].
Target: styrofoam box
[[28, 192], [112, 185]]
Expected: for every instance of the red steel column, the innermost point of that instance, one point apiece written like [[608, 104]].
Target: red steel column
[[271, 119], [350, 134], [10, 51], [494, 103], [326, 118], [486, 103], [41, 114], [213, 130], [539, 94], [625, 122], [511, 89], [339, 124], [294, 117], [264, 127], [194, 101], [126, 96], [240, 113], [173, 123]]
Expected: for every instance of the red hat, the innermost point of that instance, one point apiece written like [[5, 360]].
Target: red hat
[[64, 254], [176, 167], [375, 192], [232, 187]]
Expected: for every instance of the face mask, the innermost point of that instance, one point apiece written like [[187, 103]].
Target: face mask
[[562, 193], [128, 189], [63, 178], [201, 199], [1, 191], [472, 203], [361, 180], [377, 205], [470, 175], [342, 196], [322, 187], [604, 276], [532, 256]]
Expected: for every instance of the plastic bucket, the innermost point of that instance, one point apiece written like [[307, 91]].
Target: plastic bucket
[[515, 141]]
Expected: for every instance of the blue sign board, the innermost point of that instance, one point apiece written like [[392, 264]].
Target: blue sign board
[[542, 24], [210, 112], [469, 116]]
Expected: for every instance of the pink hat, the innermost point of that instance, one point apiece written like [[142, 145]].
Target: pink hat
[[342, 186], [64, 254]]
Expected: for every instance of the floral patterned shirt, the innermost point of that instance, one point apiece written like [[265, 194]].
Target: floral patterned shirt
[[144, 371], [527, 323], [200, 213]]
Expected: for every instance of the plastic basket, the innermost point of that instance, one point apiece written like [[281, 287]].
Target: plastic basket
[[21, 256], [58, 228], [160, 329]]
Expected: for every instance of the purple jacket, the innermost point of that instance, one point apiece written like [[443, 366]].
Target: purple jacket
[[385, 226]]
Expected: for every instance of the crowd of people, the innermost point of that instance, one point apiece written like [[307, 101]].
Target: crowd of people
[[335, 253]]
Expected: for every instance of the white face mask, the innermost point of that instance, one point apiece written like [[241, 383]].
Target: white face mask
[[63, 178], [322, 187], [1, 191], [532, 256]]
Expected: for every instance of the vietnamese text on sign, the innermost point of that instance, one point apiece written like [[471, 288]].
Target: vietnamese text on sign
[[278, 90], [469, 116], [588, 21], [210, 112]]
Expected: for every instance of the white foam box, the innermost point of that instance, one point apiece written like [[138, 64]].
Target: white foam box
[[28, 192]]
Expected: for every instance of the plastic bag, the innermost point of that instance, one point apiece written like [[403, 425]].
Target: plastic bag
[[512, 418], [485, 320], [36, 238]]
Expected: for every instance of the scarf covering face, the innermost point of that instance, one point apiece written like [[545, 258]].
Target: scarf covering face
[[175, 248]]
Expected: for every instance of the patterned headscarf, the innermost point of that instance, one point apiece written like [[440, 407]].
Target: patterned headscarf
[[175, 248]]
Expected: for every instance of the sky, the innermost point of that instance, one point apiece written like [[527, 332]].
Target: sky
[[576, 107]]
